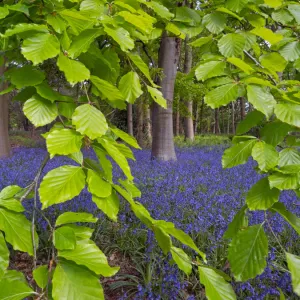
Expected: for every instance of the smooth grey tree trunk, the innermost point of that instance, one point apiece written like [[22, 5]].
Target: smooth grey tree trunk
[[162, 119], [188, 121], [129, 119], [4, 117], [140, 122], [233, 118]]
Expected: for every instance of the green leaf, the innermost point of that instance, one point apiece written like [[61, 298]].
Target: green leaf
[[93, 8], [64, 238], [121, 36], [247, 253], [261, 99], [294, 9], [157, 96], [82, 42], [232, 44], [216, 288], [71, 281], [282, 16], [237, 154], [273, 3], [210, 69], [12, 204], [10, 191], [88, 254], [108, 90], [159, 9], [215, 22], [241, 64], [187, 15], [13, 286], [163, 239], [45, 91], [184, 239], [236, 5], [275, 132], [41, 275], [289, 156], [63, 142], [222, 95], [77, 20], [4, 256], [288, 113], [26, 76], [273, 62], [74, 217], [140, 64], [40, 47], [266, 156], [130, 140], [21, 28], [291, 51], [109, 205], [267, 34], [229, 12], [142, 23], [3, 12], [105, 163], [293, 262], [117, 156], [61, 184], [130, 87], [239, 222], [74, 71], [171, 27], [97, 186], [201, 41], [57, 23], [89, 121], [292, 219], [39, 111], [66, 109], [17, 230], [251, 120], [182, 260], [261, 196], [284, 181], [131, 188]]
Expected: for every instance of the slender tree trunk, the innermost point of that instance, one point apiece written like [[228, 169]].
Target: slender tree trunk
[[242, 103], [4, 117], [217, 126], [196, 118], [201, 116], [163, 137], [188, 121], [140, 122], [129, 119], [222, 119], [228, 120], [233, 119], [147, 123]]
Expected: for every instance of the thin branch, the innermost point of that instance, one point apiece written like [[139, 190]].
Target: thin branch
[[258, 64]]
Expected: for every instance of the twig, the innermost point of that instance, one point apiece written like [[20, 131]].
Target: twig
[[271, 229], [35, 186], [258, 64]]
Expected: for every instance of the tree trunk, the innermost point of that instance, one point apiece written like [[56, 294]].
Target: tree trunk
[[201, 116], [233, 119], [129, 119], [196, 118], [242, 103], [163, 137], [228, 120], [140, 122], [147, 124], [188, 121], [217, 126], [4, 136]]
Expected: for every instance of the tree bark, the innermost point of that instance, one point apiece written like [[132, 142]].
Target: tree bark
[[147, 123], [129, 119], [188, 121], [233, 119], [4, 135], [217, 126], [242, 104], [140, 122], [196, 118], [201, 116], [163, 137]]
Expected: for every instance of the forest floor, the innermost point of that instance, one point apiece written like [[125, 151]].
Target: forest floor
[[196, 194]]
